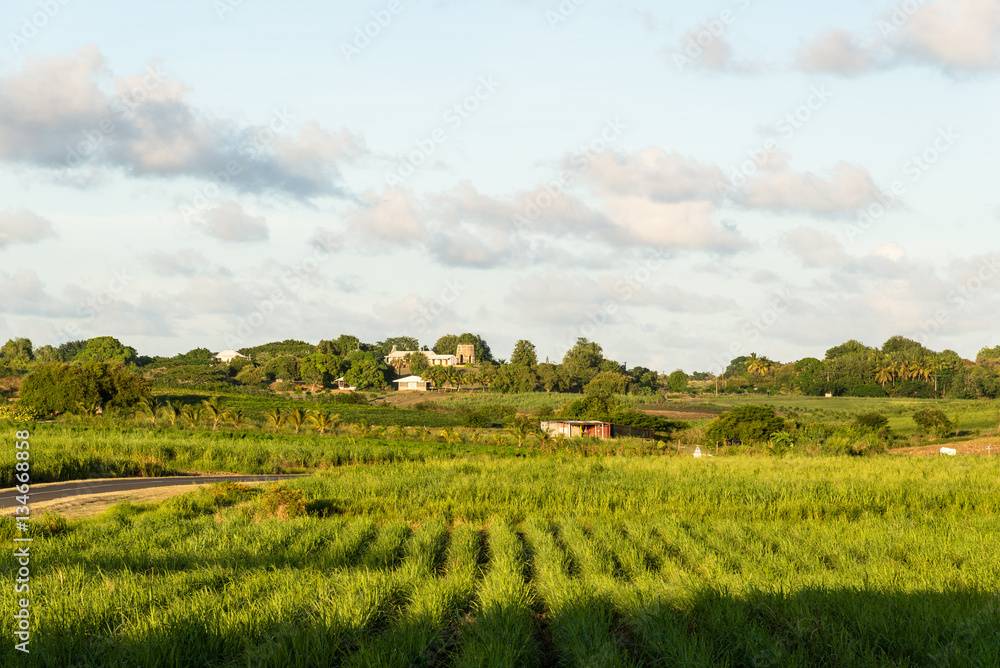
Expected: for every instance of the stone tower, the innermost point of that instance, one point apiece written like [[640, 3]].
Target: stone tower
[[466, 353]]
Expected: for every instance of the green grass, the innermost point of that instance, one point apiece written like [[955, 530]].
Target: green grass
[[477, 561]]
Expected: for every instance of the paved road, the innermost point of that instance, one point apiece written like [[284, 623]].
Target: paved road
[[51, 492]]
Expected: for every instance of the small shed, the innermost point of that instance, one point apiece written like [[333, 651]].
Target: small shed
[[594, 428], [342, 384], [412, 384]]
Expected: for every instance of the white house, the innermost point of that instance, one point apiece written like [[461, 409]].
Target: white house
[[397, 358], [413, 384], [228, 356]]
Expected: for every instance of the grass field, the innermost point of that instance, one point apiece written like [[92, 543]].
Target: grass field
[[476, 561]]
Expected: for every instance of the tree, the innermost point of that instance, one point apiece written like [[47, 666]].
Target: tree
[[319, 369], [48, 354], [69, 350], [150, 408], [851, 347], [448, 345], [213, 409], [275, 417], [283, 367], [17, 353], [296, 418], [550, 377], [417, 362], [677, 381], [397, 342], [367, 372], [106, 349], [321, 420], [606, 384], [172, 412], [748, 423], [235, 416], [520, 429], [524, 354], [60, 388], [583, 361], [933, 419]]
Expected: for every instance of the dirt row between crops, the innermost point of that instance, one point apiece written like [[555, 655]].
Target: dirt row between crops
[[978, 446]]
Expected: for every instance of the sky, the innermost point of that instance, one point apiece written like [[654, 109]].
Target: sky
[[683, 183]]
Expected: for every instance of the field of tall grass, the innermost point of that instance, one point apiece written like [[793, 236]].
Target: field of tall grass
[[551, 560]]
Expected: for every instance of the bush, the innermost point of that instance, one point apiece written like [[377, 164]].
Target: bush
[[914, 389], [867, 390], [748, 424], [492, 415], [871, 421], [933, 420], [67, 388], [17, 414]]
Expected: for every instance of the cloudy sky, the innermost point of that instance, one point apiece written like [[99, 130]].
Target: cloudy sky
[[682, 182]]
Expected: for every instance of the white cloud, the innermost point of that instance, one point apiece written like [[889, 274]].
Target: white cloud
[[845, 189], [835, 51], [230, 222], [23, 227], [70, 114], [817, 249]]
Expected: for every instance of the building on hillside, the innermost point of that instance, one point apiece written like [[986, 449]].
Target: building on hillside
[[397, 358], [342, 384], [466, 353], [228, 356], [413, 384], [594, 428]]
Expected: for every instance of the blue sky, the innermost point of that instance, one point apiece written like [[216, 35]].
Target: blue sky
[[663, 240]]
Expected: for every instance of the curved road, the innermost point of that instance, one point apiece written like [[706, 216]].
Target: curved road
[[60, 490]]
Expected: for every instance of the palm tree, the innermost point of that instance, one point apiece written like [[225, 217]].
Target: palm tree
[[149, 408], [192, 414], [363, 429], [213, 409], [275, 417], [884, 375], [236, 416], [520, 430], [320, 420], [296, 418], [450, 436], [454, 377], [172, 412], [545, 438]]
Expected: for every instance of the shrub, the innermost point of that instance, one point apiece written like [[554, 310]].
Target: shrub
[[748, 423], [17, 414], [914, 389], [871, 421], [491, 415], [933, 420], [867, 390], [61, 388]]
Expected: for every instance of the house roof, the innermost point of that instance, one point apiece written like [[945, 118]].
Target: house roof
[[411, 379], [229, 353]]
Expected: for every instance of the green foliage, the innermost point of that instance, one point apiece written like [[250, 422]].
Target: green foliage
[[17, 413], [448, 345], [867, 390], [106, 349], [748, 423], [58, 388], [289, 348], [583, 361], [606, 384], [282, 367], [852, 347], [367, 372], [69, 350], [913, 389], [491, 415], [871, 421], [933, 420], [524, 354], [677, 381], [17, 353]]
